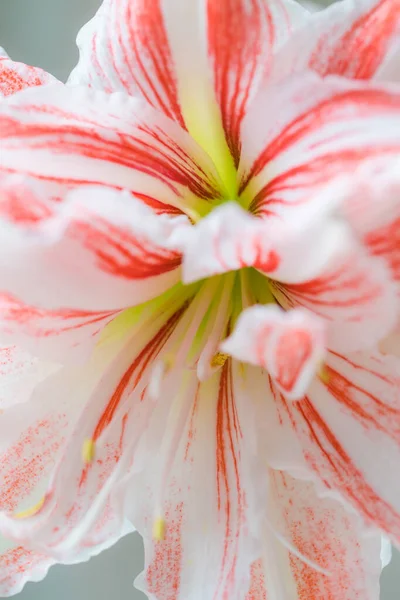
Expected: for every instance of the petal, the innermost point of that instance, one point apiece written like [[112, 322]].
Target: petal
[[98, 250], [290, 346], [219, 57], [327, 129], [321, 530], [86, 483], [16, 76], [349, 428], [353, 39], [20, 372], [18, 565], [230, 239], [75, 136], [31, 444], [66, 275], [208, 503], [257, 590], [373, 208], [357, 298]]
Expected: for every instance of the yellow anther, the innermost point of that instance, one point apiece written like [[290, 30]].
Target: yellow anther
[[323, 374], [30, 512], [88, 451], [219, 359], [159, 529]]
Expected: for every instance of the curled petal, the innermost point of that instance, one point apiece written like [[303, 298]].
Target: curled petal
[[356, 297], [69, 269], [16, 76], [230, 239], [290, 346], [79, 251], [353, 39], [98, 250]]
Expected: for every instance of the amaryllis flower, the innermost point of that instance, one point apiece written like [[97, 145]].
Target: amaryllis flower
[[189, 315]]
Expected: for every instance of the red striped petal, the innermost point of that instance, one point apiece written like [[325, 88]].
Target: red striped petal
[[111, 410], [323, 532], [356, 298], [223, 53], [242, 37], [69, 272], [126, 48], [69, 268], [326, 130], [373, 210], [74, 136], [353, 39], [229, 239], [208, 503], [349, 430]]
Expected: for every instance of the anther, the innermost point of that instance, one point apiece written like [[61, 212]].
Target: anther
[[323, 374], [30, 512], [88, 451], [159, 529], [219, 359]]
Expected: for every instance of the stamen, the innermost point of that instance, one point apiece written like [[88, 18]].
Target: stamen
[[219, 359], [88, 451], [323, 374], [159, 527], [215, 330], [160, 370], [30, 512]]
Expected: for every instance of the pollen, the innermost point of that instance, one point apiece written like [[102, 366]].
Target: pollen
[[159, 529], [88, 451], [323, 374], [30, 512], [219, 359]]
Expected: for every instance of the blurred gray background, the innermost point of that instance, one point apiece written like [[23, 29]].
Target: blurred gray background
[[42, 33]]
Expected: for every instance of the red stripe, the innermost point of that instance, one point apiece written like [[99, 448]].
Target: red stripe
[[385, 242], [121, 254], [360, 51], [369, 103], [337, 470], [152, 69], [228, 435], [134, 373], [155, 154], [236, 36]]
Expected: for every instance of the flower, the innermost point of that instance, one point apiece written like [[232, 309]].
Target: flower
[[192, 303]]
